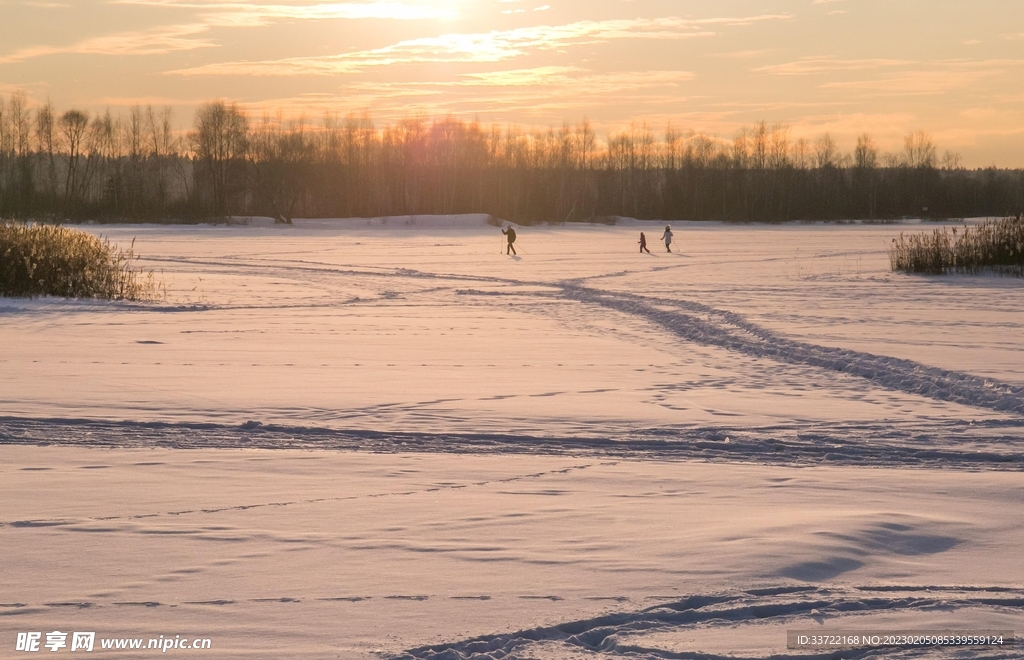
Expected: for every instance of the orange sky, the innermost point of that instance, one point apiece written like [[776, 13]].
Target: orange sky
[[950, 67]]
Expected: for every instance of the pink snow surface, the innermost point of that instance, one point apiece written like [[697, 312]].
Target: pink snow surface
[[366, 439]]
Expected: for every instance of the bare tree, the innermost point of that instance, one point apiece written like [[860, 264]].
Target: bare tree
[[6, 143], [21, 123], [865, 155], [741, 149], [865, 162], [219, 141], [759, 146], [20, 127], [566, 147], [778, 155], [585, 137], [801, 154], [134, 132], [672, 140], [280, 163], [919, 150], [703, 149], [160, 133], [72, 127], [160, 144], [826, 153]]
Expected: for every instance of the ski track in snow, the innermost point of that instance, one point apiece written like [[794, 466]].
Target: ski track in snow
[[708, 326], [622, 634], [689, 320], [983, 444], [992, 444], [735, 333]]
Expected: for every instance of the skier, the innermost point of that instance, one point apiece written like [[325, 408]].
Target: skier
[[667, 237], [511, 234], [643, 244]]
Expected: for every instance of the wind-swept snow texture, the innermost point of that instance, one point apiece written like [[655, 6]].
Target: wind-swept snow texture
[[371, 438]]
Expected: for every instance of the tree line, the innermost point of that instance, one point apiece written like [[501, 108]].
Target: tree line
[[138, 167]]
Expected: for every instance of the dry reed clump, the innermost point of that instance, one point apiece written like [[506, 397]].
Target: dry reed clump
[[994, 245], [41, 260]]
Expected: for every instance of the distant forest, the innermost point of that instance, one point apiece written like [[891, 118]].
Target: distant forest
[[137, 167]]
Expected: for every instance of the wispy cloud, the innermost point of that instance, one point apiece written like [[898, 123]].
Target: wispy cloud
[[576, 79], [34, 90], [155, 101], [545, 94], [744, 54], [169, 38], [811, 65], [912, 83], [495, 46], [542, 75], [897, 77], [938, 78], [252, 14], [145, 42]]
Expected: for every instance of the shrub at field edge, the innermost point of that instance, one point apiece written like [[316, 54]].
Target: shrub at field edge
[[41, 260], [993, 245]]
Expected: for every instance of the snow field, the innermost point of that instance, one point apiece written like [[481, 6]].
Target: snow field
[[359, 439], [312, 554]]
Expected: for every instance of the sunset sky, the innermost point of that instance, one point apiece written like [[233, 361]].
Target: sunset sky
[[951, 67]]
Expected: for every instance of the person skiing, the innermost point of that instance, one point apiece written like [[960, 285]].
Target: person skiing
[[511, 234], [643, 244], [667, 237]]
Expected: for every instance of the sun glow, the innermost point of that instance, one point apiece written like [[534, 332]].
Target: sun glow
[[241, 14]]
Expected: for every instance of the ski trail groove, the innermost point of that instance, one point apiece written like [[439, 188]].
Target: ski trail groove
[[708, 326], [990, 445], [615, 635]]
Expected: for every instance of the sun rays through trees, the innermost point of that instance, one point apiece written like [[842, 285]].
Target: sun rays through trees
[[74, 165]]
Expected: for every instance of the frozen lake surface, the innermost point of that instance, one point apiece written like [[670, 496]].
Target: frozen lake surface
[[357, 439]]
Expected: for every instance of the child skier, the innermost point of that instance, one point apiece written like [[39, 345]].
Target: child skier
[[643, 244]]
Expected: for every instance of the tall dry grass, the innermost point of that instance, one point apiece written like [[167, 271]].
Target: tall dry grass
[[993, 245], [48, 260]]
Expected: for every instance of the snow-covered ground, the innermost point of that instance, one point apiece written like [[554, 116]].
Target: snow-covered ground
[[363, 439]]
